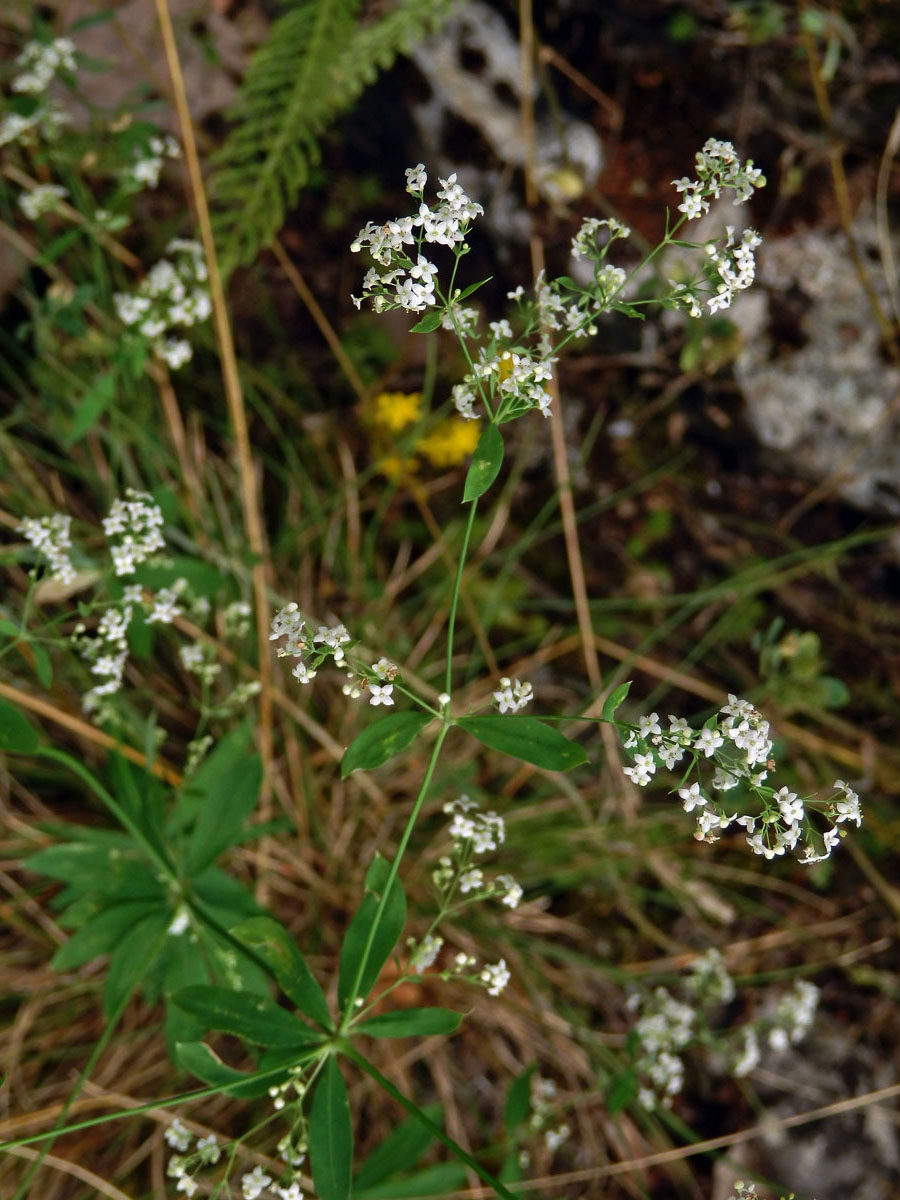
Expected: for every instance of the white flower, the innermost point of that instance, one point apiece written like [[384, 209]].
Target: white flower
[[254, 1183], [187, 1185], [750, 1055], [381, 693], [471, 879], [292, 1192], [649, 724], [304, 673], [643, 770], [51, 537], [208, 1149], [178, 1136], [708, 741], [847, 809], [692, 797], [42, 199], [495, 977], [425, 954], [512, 892]]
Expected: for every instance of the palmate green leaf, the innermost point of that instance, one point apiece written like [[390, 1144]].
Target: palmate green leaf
[[274, 945], [526, 738], [17, 734], [254, 1018], [411, 1022], [316, 62], [486, 463], [614, 699], [331, 1135], [382, 740], [386, 936]]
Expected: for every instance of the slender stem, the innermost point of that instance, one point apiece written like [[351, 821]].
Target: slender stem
[[454, 601], [435, 1130], [392, 875]]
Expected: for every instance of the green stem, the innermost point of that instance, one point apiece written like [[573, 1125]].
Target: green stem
[[454, 602], [392, 876], [433, 1129]]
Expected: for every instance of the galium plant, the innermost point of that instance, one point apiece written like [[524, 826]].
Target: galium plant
[[510, 362]]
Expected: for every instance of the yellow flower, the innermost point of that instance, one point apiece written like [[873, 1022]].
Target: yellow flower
[[394, 411], [450, 442], [396, 468]]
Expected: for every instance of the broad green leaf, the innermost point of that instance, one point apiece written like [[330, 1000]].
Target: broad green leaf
[[518, 1101], [526, 738], [9, 628], [331, 1135], [273, 944], [101, 933], [246, 1015], [17, 734], [382, 740], [486, 463], [91, 406], [132, 958], [428, 323], [411, 1022], [199, 1060], [400, 1151], [614, 699], [386, 935]]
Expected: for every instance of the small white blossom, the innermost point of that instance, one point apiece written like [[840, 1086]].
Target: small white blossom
[[254, 1183], [495, 977], [381, 693], [178, 1136], [42, 199]]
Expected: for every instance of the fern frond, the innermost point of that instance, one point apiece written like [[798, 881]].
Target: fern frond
[[315, 63]]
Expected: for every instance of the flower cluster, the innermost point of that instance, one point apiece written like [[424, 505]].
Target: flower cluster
[[512, 696], [40, 62], [42, 199], [184, 1166], [667, 1026], [51, 537], [173, 295], [732, 269], [473, 833], [328, 641], [719, 169], [737, 740], [410, 284], [146, 166], [133, 530]]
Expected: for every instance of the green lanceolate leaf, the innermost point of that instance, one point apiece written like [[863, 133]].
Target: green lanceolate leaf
[[486, 463], [101, 933], [428, 323], [331, 1136], [614, 699], [518, 1101], [412, 1022], [382, 740], [133, 958], [199, 1060], [17, 734], [272, 943], [393, 919], [253, 1017], [400, 1151], [526, 738]]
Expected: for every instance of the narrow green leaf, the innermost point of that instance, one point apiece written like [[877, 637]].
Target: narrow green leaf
[[253, 1017], [42, 665], [272, 943], [10, 628], [518, 1101], [473, 287], [382, 740], [526, 738], [220, 822], [485, 464], [17, 734], [386, 936], [412, 1022], [101, 933], [199, 1060], [614, 699], [400, 1151], [428, 323], [621, 1091], [331, 1135], [132, 959], [91, 406]]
